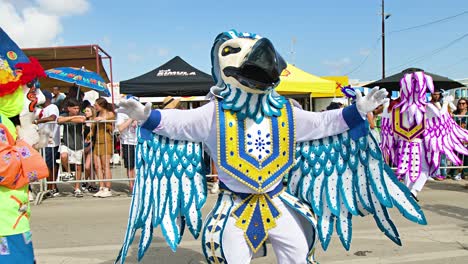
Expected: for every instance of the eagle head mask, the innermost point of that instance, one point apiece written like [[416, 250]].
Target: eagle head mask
[[246, 68], [246, 61]]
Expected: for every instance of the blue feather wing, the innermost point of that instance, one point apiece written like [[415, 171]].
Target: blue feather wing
[[340, 177], [170, 190]]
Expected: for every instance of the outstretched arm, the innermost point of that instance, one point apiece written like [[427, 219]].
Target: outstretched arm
[[192, 125], [313, 125]]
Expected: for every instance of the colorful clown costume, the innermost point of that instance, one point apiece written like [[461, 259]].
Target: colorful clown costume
[[20, 164], [258, 137]]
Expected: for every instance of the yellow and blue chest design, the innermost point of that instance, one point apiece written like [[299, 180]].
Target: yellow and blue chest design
[[257, 155]]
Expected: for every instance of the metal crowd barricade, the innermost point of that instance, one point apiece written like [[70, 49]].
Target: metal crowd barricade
[[88, 174], [86, 147], [447, 168], [119, 173]]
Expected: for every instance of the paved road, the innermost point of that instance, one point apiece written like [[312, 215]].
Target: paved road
[[89, 230]]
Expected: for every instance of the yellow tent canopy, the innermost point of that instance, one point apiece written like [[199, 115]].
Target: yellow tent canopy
[[297, 81], [341, 81]]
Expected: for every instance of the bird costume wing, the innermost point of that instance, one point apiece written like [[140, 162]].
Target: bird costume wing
[[341, 177], [169, 191], [443, 136], [388, 140]]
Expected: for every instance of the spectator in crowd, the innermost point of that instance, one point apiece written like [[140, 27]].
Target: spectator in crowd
[[58, 97], [128, 139], [90, 114], [71, 150], [102, 146], [170, 103], [461, 118], [374, 120], [436, 98], [85, 104], [334, 105], [461, 113], [47, 120], [441, 173], [73, 94]]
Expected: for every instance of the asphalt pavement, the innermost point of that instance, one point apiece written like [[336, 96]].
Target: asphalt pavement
[[90, 230]]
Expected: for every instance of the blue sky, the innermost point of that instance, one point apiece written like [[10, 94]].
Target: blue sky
[[332, 37]]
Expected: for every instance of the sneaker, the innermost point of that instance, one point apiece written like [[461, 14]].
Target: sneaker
[[55, 192], [106, 193], [457, 177], [78, 193], [430, 179], [215, 188], [98, 194], [31, 196], [52, 193], [67, 177], [439, 178], [93, 189]]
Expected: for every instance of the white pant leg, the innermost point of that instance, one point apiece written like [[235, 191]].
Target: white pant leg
[[418, 185], [292, 236], [235, 248]]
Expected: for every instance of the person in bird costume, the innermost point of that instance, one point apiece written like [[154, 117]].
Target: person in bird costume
[[415, 133], [20, 164], [257, 137]]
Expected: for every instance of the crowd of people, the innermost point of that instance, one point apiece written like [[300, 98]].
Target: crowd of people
[[82, 139]]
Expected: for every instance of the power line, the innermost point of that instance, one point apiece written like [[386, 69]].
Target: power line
[[402, 30], [451, 65], [432, 53], [429, 23], [365, 58]]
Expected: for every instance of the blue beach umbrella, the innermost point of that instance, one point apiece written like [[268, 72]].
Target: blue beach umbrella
[[80, 77]]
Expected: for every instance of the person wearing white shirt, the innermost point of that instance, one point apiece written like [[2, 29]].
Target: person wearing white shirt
[[47, 120], [127, 128]]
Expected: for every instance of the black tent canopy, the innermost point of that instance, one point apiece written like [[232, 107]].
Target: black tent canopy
[[175, 78], [392, 83]]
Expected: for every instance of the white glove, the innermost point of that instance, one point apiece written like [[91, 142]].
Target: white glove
[[373, 99], [448, 99], [135, 110]]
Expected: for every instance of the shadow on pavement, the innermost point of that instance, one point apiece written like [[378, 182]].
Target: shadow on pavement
[[163, 256], [449, 186], [448, 210]]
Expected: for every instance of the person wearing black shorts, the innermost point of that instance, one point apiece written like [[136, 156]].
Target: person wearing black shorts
[[128, 139], [47, 120], [128, 152]]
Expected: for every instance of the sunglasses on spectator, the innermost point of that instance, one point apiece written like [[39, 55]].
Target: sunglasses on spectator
[[462, 103]]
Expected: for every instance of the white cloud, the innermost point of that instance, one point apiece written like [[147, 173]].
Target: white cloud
[[61, 7], [340, 63], [37, 23], [158, 52], [337, 65], [134, 58], [163, 52], [364, 52]]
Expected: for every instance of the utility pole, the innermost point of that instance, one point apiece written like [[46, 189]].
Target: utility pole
[[383, 39]]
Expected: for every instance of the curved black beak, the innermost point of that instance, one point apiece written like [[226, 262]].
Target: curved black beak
[[261, 68]]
